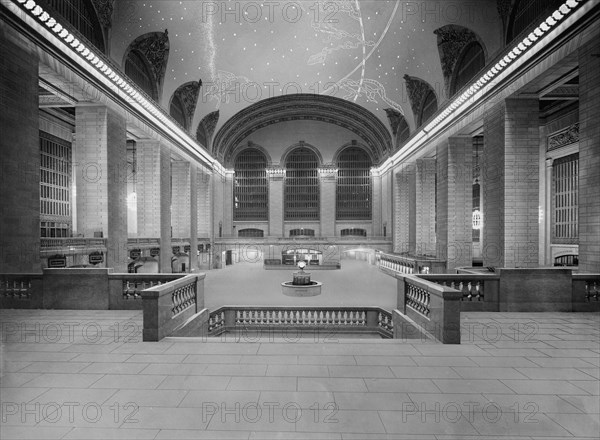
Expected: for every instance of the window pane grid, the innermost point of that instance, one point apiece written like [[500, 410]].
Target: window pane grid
[[353, 232], [565, 193], [302, 186], [353, 195], [251, 232], [471, 63], [251, 187], [79, 14], [55, 184], [137, 70]]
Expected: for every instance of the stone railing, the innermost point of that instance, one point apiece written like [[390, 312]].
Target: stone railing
[[435, 309], [175, 308], [338, 319], [72, 242], [143, 242], [126, 288], [479, 292], [20, 291], [405, 264]]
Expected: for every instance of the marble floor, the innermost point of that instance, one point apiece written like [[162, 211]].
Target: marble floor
[[87, 375], [245, 283]]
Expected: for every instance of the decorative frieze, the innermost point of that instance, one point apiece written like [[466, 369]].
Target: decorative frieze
[[395, 118], [568, 136], [451, 41], [188, 94], [328, 171], [417, 91], [155, 47]]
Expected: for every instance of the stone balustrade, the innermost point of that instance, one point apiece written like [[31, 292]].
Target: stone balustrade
[[342, 319], [406, 264], [479, 291], [433, 308], [175, 308]]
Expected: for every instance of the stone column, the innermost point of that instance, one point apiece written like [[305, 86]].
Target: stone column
[[204, 191], [376, 197], [148, 188], [100, 156], [455, 202], [405, 209], [327, 188], [510, 174], [548, 214], [205, 211], [228, 204], [166, 250], [193, 218], [425, 206], [276, 176], [154, 197], [180, 203], [20, 154], [589, 158]]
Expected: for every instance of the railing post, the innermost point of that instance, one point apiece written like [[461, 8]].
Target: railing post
[[401, 289], [491, 292], [450, 317], [372, 319], [230, 319]]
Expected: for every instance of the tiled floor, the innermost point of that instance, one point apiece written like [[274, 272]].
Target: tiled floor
[[85, 374]]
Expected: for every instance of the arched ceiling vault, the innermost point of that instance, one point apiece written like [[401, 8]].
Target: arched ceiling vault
[[367, 127], [356, 50]]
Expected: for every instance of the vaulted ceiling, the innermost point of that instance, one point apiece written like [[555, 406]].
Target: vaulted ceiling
[[245, 51]]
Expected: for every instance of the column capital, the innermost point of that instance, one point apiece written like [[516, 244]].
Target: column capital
[[328, 172], [275, 173], [549, 162]]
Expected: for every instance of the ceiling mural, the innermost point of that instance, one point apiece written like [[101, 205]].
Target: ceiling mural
[[247, 51]]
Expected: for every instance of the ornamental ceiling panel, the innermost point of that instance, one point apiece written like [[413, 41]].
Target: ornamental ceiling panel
[[247, 51]]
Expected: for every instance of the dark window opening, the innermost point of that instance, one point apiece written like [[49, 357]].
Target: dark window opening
[[353, 195], [356, 232], [471, 62], [301, 185], [251, 232], [251, 187]]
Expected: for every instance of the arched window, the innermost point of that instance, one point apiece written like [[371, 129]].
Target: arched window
[[353, 195], [302, 232], [251, 232], [82, 16], [428, 107], [471, 61], [403, 132], [251, 187], [177, 111], [301, 185], [138, 70], [353, 232], [527, 14]]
